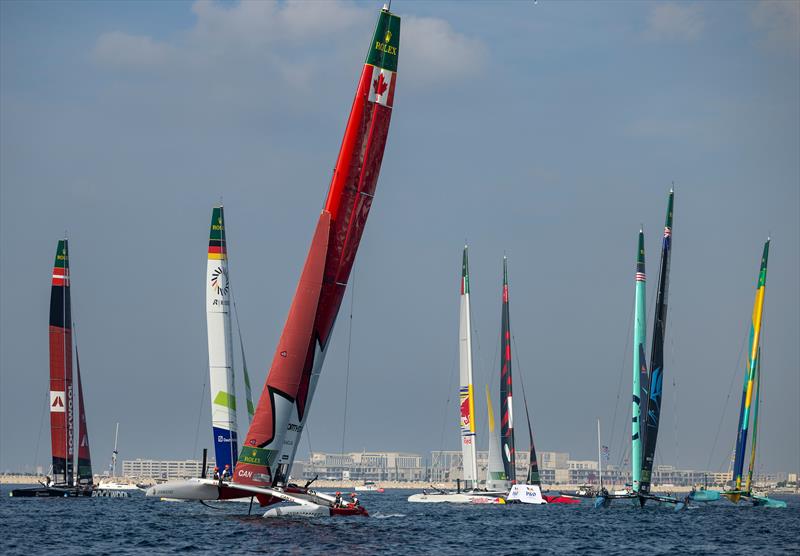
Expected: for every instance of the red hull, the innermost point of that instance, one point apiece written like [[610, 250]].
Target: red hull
[[560, 499]]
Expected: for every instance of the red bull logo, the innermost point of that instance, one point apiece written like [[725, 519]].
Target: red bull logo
[[466, 418]]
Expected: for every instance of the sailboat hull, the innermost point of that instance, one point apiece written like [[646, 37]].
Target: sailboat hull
[[457, 498], [46, 492]]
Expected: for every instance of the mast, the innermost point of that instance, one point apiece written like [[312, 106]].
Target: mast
[[113, 466], [599, 456], [496, 478], [639, 364], [750, 371], [533, 477], [282, 410], [61, 396], [466, 396], [85, 475], [653, 412], [506, 405], [752, 467], [220, 354]]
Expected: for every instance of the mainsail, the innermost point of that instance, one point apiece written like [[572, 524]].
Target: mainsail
[[62, 435], [84, 456], [466, 393], [506, 404], [750, 371], [639, 365], [282, 410], [757, 388], [653, 403], [496, 478], [220, 354]]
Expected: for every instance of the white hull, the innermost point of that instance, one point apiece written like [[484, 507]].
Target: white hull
[[113, 485], [527, 494], [458, 498], [189, 489], [311, 510]]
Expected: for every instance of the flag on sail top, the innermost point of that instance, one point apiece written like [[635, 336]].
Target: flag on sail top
[[606, 453]]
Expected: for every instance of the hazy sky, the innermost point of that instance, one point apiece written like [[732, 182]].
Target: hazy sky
[[547, 132]]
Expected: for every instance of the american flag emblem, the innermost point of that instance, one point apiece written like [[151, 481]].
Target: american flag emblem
[[640, 277], [667, 231], [606, 453]]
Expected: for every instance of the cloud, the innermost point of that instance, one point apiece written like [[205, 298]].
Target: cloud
[[432, 52], [117, 49], [294, 43], [779, 21], [670, 21]]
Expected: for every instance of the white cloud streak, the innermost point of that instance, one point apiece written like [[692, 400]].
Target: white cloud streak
[[293, 42], [670, 21]]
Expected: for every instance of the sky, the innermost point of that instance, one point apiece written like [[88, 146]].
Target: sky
[[547, 132]]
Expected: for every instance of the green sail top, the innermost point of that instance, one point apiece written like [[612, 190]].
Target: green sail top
[[668, 223], [62, 254], [505, 270], [640, 252], [762, 273], [465, 273], [385, 45], [217, 224]]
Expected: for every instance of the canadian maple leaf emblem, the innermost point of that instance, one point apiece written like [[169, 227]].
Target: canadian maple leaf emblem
[[380, 85]]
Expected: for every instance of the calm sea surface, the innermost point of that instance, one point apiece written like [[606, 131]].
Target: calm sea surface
[[140, 525]]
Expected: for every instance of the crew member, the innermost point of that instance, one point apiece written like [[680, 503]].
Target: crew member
[[216, 472], [226, 473], [354, 500], [337, 502]]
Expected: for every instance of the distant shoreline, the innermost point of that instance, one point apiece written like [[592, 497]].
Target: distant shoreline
[[393, 485]]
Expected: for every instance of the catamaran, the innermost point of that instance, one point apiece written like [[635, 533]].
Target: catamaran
[[67, 481], [471, 493], [647, 384], [750, 397], [266, 457], [529, 492]]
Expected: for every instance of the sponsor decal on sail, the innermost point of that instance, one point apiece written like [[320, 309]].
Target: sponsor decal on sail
[[57, 402]]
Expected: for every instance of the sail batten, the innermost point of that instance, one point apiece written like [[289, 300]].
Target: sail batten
[[750, 371], [283, 407], [639, 365], [466, 394], [62, 435], [506, 386], [85, 475], [652, 413], [496, 478], [220, 354]]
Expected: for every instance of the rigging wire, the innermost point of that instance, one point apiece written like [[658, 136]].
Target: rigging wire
[[199, 417], [349, 346], [736, 370], [45, 406], [621, 375]]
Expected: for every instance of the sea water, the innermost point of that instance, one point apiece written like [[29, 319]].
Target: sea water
[[140, 525]]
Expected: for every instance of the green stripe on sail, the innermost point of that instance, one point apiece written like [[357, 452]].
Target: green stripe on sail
[[226, 400], [62, 254], [762, 273], [668, 222], [385, 45]]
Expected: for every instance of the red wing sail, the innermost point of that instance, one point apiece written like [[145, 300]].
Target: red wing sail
[[263, 440], [62, 436], [273, 434]]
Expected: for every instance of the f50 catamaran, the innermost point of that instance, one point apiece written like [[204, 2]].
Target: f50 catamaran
[[271, 442], [471, 494], [647, 385], [65, 482], [743, 487]]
